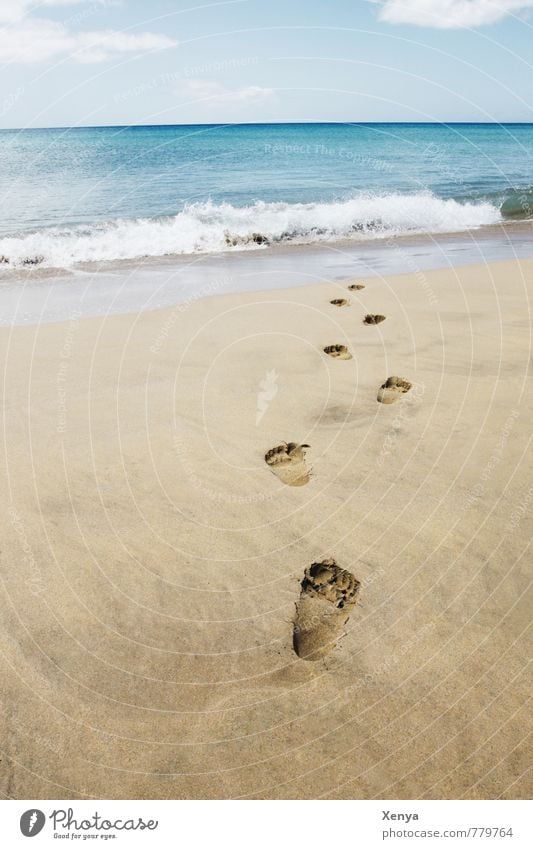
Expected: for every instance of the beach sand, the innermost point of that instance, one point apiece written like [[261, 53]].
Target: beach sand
[[152, 560]]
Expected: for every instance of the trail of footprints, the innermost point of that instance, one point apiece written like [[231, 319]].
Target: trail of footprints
[[328, 592]]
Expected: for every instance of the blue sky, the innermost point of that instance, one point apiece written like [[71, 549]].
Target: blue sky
[[97, 62]]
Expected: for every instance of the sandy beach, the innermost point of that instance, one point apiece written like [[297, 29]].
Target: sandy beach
[[152, 560]]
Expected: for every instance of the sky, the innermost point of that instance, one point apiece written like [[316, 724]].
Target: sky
[[109, 62]]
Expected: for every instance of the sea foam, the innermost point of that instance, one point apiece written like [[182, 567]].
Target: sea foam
[[211, 228]]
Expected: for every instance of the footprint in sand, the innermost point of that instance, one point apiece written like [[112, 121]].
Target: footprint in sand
[[373, 319], [356, 287], [339, 352], [287, 461], [327, 598], [393, 389], [340, 302]]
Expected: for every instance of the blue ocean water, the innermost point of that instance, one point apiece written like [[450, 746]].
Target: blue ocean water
[[73, 196]]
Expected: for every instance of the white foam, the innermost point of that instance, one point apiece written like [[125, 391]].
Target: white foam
[[203, 228]]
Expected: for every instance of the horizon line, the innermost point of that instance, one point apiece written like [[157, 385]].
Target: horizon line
[[273, 124]]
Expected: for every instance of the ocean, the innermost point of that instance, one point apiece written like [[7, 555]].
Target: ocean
[[101, 195]]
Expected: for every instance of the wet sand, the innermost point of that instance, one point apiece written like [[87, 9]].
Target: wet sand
[[39, 294]]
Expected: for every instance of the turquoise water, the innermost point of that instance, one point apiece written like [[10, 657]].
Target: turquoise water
[[80, 195]]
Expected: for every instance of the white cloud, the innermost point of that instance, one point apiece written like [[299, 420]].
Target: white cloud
[[100, 46], [27, 39], [11, 10], [198, 89], [15, 10], [450, 14]]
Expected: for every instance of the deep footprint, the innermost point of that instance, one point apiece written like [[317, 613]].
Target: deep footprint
[[287, 461], [339, 352], [373, 319], [356, 287], [340, 302], [393, 389], [327, 598]]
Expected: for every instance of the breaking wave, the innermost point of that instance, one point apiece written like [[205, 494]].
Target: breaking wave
[[518, 204], [211, 228]]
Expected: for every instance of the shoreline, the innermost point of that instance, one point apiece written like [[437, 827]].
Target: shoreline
[[44, 295], [484, 233], [163, 557]]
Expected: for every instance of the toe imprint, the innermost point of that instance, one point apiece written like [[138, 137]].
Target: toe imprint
[[287, 461], [393, 389], [327, 597], [340, 352], [356, 287], [373, 319], [340, 302]]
